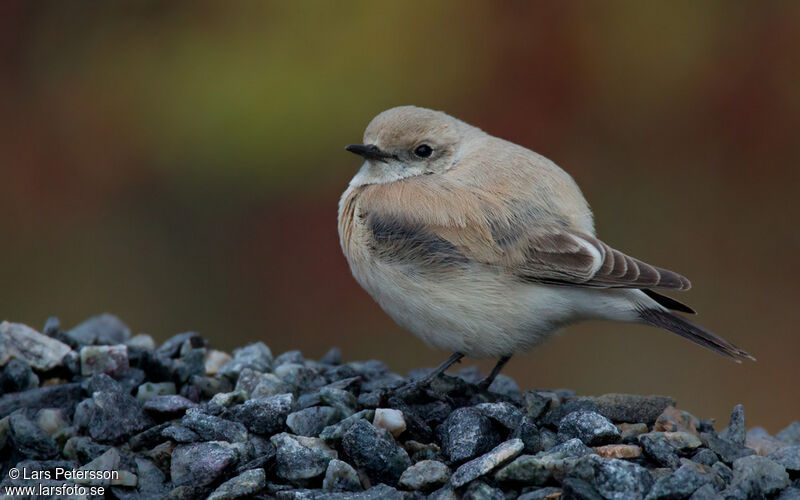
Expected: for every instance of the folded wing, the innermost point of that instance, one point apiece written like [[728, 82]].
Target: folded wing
[[560, 256]]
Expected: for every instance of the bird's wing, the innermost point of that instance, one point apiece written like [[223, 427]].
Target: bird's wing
[[557, 255], [420, 222]]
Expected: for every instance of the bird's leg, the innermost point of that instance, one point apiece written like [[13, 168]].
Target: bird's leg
[[485, 383], [455, 358]]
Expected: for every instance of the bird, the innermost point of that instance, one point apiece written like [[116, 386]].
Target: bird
[[484, 248]]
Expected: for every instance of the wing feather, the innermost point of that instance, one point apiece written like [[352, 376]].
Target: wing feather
[[558, 255]]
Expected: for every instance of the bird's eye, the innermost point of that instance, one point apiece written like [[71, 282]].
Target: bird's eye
[[423, 151]]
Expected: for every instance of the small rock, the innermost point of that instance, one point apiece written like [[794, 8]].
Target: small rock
[[658, 449], [341, 477], [264, 415], [759, 440], [534, 404], [228, 399], [150, 390], [300, 377], [631, 407], [169, 405], [484, 464], [759, 475], [791, 434], [479, 490], [151, 482], [270, 385], [248, 380], [311, 421], [591, 428], [391, 420], [506, 414], [162, 456], [559, 462], [727, 451], [340, 399], [29, 439], [618, 451], [422, 451], [148, 438], [104, 329], [675, 420], [109, 359], [299, 457], [18, 376], [51, 420], [244, 485], [52, 325], [114, 416], [619, 480], [577, 489], [505, 386], [736, 431], [293, 356], [530, 435], [215, 360], [704, 456], [375, 451], [631, 432], [101, 382], [200, 464], [706, 492], [792, 493], [788, 457], [141, 341], [102, 467], [333, 357], [682, 440], [683, 482], [425, 475], [24, 343], [190, 363], [467, 433], [82, 449], [446, 492], [205, 387], [213, 428], [180, 434], [558, 412], [547, 493], [334, 433], [62, 396], [256, 356], [131, 379], [172, 346], [723, 471]]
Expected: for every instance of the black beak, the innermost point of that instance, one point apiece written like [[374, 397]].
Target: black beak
[[369, 152]]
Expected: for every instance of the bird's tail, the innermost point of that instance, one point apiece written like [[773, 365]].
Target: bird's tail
[[696, 333]]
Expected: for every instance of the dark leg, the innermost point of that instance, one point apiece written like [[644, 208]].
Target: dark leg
[[455, 358], [485, 383]]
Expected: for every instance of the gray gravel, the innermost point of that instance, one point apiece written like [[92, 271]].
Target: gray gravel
[[183, 421]]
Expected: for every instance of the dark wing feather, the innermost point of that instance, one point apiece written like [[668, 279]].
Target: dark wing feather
[[403, 242], [557, 255]]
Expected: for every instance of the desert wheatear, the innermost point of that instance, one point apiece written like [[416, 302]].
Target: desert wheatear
[[484, 248]]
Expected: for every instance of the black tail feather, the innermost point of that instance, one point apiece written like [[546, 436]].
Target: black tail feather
[[696, 333], [668, 302]]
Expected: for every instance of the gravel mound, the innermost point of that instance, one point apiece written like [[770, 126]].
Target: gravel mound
[[184, 421]]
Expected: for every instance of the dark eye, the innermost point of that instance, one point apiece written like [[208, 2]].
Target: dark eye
[[423, 151]]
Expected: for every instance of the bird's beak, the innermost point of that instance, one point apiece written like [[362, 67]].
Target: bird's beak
[[369, 152]]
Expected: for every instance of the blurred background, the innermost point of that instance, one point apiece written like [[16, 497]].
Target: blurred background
[[179, 164]]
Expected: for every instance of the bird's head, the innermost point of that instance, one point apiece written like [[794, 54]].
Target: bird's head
[[408, 141]]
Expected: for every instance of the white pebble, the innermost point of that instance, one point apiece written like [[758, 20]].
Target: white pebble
[[391, 420]]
